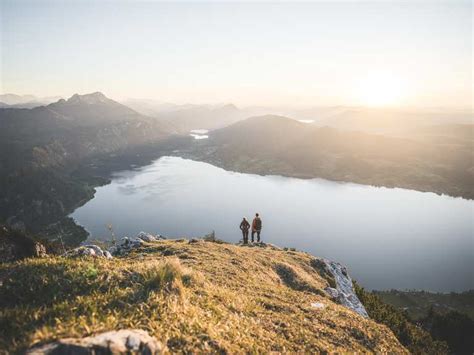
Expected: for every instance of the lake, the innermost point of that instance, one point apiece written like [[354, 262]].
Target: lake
[[388, 238]]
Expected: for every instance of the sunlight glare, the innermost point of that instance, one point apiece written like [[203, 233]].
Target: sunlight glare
[[381, 89]]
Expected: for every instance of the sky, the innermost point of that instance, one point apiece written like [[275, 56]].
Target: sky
[[394, 53]]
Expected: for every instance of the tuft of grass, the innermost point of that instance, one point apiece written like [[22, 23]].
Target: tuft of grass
[[166, 276]]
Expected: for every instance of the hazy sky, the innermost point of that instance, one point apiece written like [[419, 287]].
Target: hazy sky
[[318, 53]]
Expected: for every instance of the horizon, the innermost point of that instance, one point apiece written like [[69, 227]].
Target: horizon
[[139, 132], [364, 54], [127, 100]]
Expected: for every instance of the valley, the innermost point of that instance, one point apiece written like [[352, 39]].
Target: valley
[[53, 157]]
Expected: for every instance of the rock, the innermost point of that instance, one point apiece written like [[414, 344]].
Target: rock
[[146, 237], [88, 250], [127, 244], [318, 305], [332, 292], [126, 341], [344, 292], [39, 250], [16, 245]]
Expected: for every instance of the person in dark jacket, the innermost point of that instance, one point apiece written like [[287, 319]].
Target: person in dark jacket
[[244, 227], [256, 227]]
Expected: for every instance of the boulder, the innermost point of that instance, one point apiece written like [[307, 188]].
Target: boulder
[[126, 341], [127, 244], [147, 237], [88, 250]]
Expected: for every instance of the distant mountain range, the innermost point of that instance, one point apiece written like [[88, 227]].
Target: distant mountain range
[[185, 118], [25, 101], [282, 146], [389, 121], [52, 156]]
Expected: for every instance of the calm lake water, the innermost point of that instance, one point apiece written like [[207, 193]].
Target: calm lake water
[[389, 238]]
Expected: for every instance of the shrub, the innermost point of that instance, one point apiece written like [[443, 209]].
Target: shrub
[[414, 338], [455, 328]]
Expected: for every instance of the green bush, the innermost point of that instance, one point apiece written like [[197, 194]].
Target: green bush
[[455, 328], [414, 338]]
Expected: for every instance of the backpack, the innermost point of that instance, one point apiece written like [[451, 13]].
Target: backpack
[[258, 223]]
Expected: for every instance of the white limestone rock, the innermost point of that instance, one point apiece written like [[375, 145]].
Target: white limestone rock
[[127, 244], [344, 292], [88, 250], [126, 341]]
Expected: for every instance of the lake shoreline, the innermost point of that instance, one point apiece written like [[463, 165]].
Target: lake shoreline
[[258, 170], [177, 197]]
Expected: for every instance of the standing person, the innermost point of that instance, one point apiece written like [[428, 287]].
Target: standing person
[[244, 227], [256, 227]]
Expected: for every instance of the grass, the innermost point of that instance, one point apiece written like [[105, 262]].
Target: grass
[[194, 297]]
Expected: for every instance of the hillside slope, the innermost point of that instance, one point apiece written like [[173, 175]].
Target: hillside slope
[[192, 296], [70, 130], [282, 146], [43, 149]]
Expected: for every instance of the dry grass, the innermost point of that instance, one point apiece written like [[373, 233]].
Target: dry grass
[[204, 297]]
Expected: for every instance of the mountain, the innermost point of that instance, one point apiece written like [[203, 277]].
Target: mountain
[[31, 104], [13, 99], [71, 129], [283, 146], [94, 109], [41, 150], [185, 118], [202, 117], [388, 121], [193, 296], [24, 101]]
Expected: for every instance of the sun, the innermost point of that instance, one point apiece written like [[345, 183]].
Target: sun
[[380, 89]]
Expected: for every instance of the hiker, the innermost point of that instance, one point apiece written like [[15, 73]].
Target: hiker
[[256, 227], [244, 227]]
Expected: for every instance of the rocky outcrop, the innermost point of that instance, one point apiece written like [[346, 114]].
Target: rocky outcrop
[[122, 248], [343, 292], [15, 245], [126, 341], [89, 250], [127, 244]]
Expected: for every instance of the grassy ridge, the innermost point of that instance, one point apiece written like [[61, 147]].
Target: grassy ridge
[[201, 296]]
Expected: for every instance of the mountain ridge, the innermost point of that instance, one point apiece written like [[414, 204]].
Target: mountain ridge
[[43, 151], [278, 145], [192, 295]]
